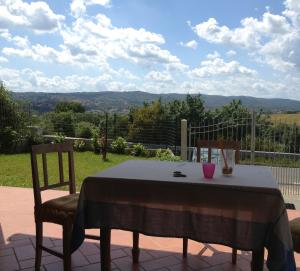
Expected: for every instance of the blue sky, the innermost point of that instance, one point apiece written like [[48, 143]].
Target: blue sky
[[227, 47]]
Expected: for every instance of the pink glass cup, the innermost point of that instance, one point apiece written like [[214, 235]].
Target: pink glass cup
[[208, 170]]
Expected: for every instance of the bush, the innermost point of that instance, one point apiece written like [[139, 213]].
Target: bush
[[9, 139], [60, 138], [96, 143], [139, 150], [84, 130], [119, 145], [34, 139], [79, 145], [166, 155]]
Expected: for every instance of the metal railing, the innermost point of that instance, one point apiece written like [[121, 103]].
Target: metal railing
[[273, 144]]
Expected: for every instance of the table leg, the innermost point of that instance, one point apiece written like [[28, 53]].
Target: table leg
[[257, 263], [105, 249], [185, 242], [135, 247]]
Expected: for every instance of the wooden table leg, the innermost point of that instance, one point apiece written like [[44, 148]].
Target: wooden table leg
[[135, 247], [257, 263], [185, 247], [105, 249]]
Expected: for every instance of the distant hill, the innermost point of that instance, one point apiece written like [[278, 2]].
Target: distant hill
[[122, 101]]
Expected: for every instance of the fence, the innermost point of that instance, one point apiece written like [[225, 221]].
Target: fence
[[273, 144], [153, 134]]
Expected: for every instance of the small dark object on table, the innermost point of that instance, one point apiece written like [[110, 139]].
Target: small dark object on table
[[227, 170]]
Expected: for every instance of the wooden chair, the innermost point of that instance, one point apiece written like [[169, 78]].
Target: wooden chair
[[295, 231], [215, 144], [60, 210]]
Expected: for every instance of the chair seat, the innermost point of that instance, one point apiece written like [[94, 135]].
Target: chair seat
[[295, 230], [59, 210]]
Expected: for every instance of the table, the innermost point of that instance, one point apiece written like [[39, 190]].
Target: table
[[245, 211]]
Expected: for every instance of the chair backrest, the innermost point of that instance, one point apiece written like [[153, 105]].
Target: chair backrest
[[43, 150], [218, 144]]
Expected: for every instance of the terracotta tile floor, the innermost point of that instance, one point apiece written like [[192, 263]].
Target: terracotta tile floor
[[161, 254]]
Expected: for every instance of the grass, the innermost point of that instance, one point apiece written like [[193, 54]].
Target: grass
[[286, 118], [15, 169]]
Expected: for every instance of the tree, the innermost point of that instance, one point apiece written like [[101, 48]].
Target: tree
[[192, 108], [12, 121], [148, 123], [74, 107], [232, 111]]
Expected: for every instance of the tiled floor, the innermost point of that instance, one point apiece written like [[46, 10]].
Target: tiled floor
[[163, 254]]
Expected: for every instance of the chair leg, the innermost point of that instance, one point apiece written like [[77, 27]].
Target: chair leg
[[184, 247], [67, 232], [234, 254], [38, 244]]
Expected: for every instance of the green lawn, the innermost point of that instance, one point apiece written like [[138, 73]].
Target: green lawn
[[15, 169]]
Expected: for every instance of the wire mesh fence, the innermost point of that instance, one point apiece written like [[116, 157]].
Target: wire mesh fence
[[153, 134], [272, 144]]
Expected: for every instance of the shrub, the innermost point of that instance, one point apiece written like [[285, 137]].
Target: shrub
[[79, 145], [8, 139], [119, 145], [34, 139], [96, 143], [60, 138], [84, 130], [139, 150], [166, 155]]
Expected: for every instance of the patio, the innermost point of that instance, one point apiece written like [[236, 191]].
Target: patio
[[17, 238]]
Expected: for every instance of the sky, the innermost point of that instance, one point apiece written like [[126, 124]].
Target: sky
[[230, 47]]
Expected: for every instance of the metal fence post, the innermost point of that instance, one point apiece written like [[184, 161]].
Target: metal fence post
[[115, 125], [176, 137], [183, 146], [253, 133], [104, 154]]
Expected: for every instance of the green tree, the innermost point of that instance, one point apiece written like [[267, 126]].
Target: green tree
[[192, 108], [74, 107], [149, 123], [232, 111], [13, 121]]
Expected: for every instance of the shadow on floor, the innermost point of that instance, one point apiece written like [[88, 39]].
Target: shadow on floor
[[18, 253]]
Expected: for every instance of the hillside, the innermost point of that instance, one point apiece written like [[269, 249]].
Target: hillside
[[122, 101]]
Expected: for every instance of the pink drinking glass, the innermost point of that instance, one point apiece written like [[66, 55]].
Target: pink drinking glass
[[208, 170]]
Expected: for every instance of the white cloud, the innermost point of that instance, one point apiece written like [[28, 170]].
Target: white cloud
[[238, 85], [29, 80], [97, 39], [41, 53], [214, 55], [292, 11], [159, 76], [36, 16], [274, 39], [190, 44], [216, 66], [231, 53], [18, 41], [78, 7], [250, 33], [3, 59]]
